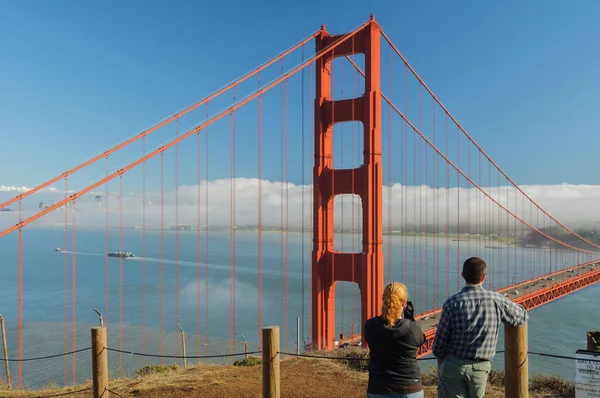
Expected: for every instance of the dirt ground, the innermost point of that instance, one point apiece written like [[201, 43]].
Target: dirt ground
[[300, 377]]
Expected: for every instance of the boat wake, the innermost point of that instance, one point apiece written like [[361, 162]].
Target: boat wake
[[273, 274]]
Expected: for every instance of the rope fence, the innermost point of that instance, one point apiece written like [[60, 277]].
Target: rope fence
[[237, 354], [47, 356], [270, 355], [291, 354], [182, 356]]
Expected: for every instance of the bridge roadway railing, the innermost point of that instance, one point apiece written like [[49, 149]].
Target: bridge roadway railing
[[536, 294], [531, 294]]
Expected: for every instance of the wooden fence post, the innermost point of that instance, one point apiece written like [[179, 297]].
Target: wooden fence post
[[516, 372], [5, 346], [270, 362], [99, 363]]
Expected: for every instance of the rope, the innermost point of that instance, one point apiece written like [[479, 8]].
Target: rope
[[46, 357], [342, 358], [323, 357], [561, 357], [260, 352], [428, 359], [183, 357]]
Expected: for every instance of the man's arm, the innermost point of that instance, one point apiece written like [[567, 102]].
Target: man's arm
[[442, 334], [513, 314]]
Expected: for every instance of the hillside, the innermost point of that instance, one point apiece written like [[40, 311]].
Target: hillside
[[300, 377]]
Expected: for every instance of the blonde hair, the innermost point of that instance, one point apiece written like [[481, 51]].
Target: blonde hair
[[395, 297]]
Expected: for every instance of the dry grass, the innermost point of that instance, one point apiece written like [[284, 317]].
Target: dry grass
[[549, 386], [300, 377]]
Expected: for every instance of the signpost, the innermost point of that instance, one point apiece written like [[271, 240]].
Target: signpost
[[587, 370]]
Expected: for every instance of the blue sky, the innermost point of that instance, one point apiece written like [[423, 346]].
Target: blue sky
[[78, 77]]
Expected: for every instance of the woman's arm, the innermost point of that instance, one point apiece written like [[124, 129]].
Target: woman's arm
[[418, 333]]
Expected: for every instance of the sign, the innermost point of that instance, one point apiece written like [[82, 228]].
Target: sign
[[587, 374]]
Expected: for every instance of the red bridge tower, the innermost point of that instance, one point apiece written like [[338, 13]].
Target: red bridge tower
[[329, 266]]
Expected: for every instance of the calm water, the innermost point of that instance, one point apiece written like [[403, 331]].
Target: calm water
[[559, 327]]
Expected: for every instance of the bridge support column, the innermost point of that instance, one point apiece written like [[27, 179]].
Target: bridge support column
[[328, 266]]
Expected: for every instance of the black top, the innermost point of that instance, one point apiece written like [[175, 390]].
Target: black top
[[393, 368]]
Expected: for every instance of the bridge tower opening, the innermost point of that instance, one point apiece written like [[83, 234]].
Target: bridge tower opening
[[365, 268]]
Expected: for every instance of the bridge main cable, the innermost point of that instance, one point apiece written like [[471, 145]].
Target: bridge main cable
[[470, 180], [416, 75], [161, 124], [182, 137]]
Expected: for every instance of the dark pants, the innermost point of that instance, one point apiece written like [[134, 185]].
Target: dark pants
[[419, 394]]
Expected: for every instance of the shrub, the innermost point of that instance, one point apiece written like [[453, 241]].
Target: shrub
[[430, 377], [151, 369], [354, 358], [250, 361], [552, 384]]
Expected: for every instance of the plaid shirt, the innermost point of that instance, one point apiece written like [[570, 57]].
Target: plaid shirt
[[470, 321]]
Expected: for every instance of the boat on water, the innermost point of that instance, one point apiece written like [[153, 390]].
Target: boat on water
[[120, 254], [58, 249]]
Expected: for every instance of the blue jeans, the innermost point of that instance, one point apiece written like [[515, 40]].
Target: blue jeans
[[419, 394]]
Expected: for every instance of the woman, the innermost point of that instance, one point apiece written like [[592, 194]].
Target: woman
[[393, 340]]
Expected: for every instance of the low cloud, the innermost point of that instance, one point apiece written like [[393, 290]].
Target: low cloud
[[219, 295], [6, 188], [575, 205]]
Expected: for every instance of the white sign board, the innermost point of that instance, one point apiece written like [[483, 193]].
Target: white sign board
[[587, 374]]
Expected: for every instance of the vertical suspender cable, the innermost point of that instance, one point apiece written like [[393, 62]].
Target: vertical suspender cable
[[414, 217], [353, 72], [260, 195], [234, 221], [405, 176], [420, 199], [427, 229], [74, 292], [498, 229], [162, 255], [106, 312], [447, 215], [143, 253], [231, 226], [121, 275], [299, 343], [176, 236], [458, 211], [206, 241], [332, 168], [390, 240], [312, 166], [342, 197], [287, 215], [20, 304], [281, 277], [66, 280], [468, 189], [198, 243], [436, 256]]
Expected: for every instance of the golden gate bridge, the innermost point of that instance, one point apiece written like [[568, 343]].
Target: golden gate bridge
[[387, 181]]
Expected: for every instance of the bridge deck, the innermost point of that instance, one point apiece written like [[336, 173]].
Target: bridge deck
[[531, 294]]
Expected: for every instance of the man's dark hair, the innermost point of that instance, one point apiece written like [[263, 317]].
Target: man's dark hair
[[474, 270]]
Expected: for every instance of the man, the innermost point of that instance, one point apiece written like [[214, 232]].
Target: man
[[467, 334]]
